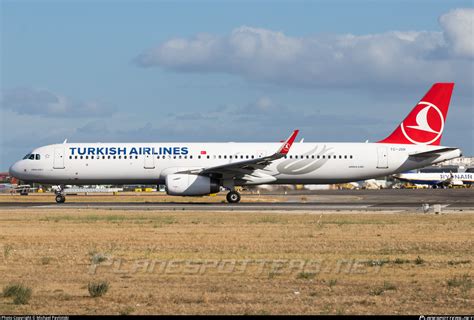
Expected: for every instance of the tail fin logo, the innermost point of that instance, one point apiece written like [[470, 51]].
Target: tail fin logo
[[429, 120]]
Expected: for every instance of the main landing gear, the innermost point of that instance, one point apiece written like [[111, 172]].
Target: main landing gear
[[60, 196], [233, 197]]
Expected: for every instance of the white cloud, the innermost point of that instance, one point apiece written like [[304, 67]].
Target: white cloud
[[45, 103], [411, 57], [458, 30]]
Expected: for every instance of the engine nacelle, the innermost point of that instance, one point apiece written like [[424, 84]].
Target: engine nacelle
[[190, 185]]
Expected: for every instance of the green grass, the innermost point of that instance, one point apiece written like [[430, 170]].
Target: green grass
[[389, 286], [306, 275], [7, 249], [97, 258], [401, 261], [419, 260], [332, 283], [456, 262], [46, 260], [376, 262], [98, 289], [20, 293], [464, 281], [376, 291]]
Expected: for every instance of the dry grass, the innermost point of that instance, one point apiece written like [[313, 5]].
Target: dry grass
[[144, 197], [182, 262]]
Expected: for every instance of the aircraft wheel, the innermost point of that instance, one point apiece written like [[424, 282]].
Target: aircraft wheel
[[60, 198], [233, 197]]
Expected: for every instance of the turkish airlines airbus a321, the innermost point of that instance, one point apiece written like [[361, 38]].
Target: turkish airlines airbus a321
[[195, 169]]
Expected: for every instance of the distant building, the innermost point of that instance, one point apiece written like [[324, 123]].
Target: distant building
[[459, 162], [4, 177]]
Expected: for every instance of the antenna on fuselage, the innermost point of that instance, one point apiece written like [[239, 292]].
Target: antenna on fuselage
[[65, 141], [302, 139]]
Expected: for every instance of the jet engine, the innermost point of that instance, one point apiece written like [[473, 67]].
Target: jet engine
[[190, 185]]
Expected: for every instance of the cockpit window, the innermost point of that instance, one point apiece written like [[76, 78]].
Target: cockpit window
[[32, 157], [37, 157], [27, 156]]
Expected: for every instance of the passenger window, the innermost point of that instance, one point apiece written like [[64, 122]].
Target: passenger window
[[70, 157], [307, 157], [351, 157], [291, 157], [103, 157], [81, 157], [87, 157], [324, 157], [225, 157], [199, 157], [208, 157], [92, 157], [136, 157], [230, 157], [312, 157], [115, 157], [252, 157], [190, 157], [120, 157], [75, 157]]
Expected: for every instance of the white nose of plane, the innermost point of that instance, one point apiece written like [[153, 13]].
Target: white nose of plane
[[15, 170]]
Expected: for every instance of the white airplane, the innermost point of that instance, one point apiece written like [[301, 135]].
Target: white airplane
[[195, 169], [437, 179]]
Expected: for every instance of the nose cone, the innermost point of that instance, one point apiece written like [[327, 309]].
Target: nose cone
[[15, 170]]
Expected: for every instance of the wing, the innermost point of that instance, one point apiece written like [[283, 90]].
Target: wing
[[247, 167]]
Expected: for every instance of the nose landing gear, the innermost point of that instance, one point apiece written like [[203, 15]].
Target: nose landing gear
[[233, 197], [60, 196]]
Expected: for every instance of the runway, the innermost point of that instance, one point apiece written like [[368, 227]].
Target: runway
[[346, 200]]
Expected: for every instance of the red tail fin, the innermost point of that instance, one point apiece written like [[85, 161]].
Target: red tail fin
[[425, 123]]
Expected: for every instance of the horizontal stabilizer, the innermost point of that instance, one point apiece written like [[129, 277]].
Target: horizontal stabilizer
[[432, 153]]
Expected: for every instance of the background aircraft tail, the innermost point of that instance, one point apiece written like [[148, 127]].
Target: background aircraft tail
[[425, 123]]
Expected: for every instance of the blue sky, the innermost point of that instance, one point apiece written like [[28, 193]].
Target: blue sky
[[228, 71]]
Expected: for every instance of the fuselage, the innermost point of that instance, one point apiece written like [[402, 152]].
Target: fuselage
[[437, 178], [150, 163]]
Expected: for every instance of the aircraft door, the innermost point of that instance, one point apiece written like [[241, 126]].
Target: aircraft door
[[58, 161], [149, 161], [382, 158]]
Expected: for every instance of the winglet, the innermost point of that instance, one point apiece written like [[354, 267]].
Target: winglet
[[285, 148]]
